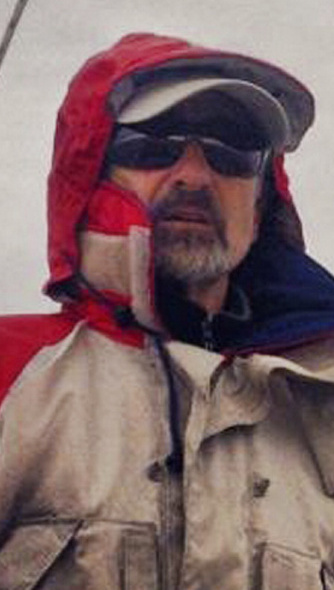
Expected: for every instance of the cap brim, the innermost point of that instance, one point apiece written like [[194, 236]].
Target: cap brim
[[262, 106]]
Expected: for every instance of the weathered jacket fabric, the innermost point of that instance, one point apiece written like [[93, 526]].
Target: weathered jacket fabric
[[89, 499]]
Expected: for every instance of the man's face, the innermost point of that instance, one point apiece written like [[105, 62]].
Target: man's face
[[204, 222]]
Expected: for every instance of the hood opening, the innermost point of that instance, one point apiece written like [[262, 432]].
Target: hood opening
[[86, 120]]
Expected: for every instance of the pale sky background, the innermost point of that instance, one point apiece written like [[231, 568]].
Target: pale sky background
[[55, 38]]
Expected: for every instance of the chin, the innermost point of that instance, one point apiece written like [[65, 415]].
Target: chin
[[198, 266]]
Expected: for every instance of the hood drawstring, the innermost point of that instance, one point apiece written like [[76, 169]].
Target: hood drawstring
[[125, 318], [174, 461]]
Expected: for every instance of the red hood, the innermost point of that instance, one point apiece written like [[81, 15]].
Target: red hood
[[84, 126]]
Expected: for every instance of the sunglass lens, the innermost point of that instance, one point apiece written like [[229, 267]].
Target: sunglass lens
[[230, 162], [145, 153]]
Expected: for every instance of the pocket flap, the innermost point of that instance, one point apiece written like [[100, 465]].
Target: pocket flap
[[30, 550], [285, 569]]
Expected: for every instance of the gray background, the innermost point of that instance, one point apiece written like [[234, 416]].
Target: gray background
[[53, 40]]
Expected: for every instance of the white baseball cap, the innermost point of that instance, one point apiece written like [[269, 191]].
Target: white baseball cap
[[261, 106]]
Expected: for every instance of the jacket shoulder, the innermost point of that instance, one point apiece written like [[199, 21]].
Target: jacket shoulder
[[316, 355], [22, 336]]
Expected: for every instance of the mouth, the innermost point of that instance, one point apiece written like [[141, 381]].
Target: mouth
[[188, 215]]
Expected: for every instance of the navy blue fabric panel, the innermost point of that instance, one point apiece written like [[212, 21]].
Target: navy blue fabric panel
[[292, 296]]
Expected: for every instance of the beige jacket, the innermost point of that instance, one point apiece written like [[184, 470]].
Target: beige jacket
[[87, 504], [86, 500]]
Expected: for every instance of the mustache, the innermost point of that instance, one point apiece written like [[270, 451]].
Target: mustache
[[201, 199], [177, 197]]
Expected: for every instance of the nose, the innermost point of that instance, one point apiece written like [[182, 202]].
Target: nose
[[192, 170]]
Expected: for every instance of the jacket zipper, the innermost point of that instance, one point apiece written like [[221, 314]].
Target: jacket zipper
[[172, 529], [207, 333]]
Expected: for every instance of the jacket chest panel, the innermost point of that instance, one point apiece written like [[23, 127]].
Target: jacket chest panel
[[102, 513], [257, 514], [94, 436]]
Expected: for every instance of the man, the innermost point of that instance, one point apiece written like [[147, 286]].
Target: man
[[172, 427]]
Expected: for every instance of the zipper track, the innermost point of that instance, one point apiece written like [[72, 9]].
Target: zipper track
[[172, 529], [207, 333]]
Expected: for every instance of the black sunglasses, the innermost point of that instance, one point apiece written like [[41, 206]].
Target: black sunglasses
[[132, 149]]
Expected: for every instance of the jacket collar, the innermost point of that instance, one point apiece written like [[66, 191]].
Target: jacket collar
[[187, 322]]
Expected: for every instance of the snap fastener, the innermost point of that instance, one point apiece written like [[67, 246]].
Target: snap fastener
[[155, 472], [260, 486]]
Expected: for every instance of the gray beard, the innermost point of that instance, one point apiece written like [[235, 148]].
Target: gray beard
[[190, 257], [193, 257]]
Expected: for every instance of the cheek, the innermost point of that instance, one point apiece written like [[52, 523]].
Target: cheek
[[238, 205], [241, 227], [145, 184], [240, 235], [240, 219]]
